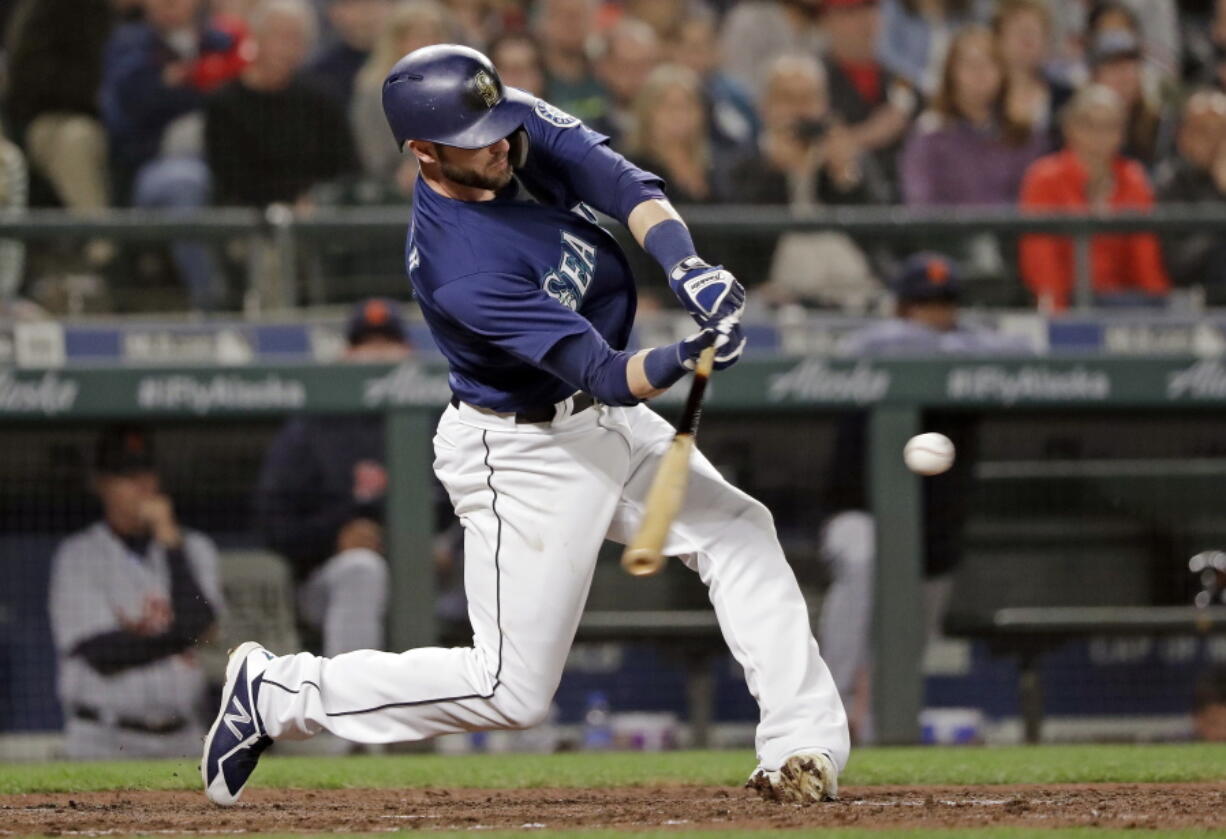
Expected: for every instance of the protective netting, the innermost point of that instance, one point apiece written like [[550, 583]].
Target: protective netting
[[1094, 512]]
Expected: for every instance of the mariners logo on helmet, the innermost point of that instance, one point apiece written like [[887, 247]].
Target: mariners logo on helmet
[[486, 88], [553, 115]]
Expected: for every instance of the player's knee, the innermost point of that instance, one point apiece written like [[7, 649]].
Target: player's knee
[[532, 715], [756, 514], [523, 710]]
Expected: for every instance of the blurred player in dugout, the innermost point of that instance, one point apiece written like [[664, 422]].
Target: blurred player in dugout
[[131, 595], [320, 501], [927, 290]]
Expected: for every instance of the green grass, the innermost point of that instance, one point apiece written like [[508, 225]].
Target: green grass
[[952, 766], [837, 833]]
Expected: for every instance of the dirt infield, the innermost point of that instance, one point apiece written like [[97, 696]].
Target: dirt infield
[[1166, 806]]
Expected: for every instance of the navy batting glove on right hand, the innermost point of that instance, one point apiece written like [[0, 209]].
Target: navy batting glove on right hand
[[708, 292], [664, 365], [729, 352]]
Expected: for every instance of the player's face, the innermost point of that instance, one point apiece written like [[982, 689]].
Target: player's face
[[122, 497], [484, 168]]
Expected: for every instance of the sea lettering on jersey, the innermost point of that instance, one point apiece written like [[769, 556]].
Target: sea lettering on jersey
[[570, 280]]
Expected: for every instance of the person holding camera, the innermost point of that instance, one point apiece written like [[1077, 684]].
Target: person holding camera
[[805, 159], [804, 156], [969, 148]]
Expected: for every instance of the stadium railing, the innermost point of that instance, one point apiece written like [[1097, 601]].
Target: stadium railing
[[288, 233]]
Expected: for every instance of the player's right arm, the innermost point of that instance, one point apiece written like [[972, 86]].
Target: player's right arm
[[562, 149], [516, 315]]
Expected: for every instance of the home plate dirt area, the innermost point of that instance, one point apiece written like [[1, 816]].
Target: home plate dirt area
[[1150, 806]]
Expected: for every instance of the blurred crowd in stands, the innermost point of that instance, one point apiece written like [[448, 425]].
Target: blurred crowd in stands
[[1077, 104]]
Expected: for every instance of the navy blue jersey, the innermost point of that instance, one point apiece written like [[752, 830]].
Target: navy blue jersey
[[503, 283]]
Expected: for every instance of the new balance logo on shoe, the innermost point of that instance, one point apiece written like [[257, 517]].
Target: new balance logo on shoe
[[242, 717], [235, 741]]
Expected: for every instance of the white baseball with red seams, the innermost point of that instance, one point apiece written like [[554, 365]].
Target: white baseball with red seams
[[929, 454]]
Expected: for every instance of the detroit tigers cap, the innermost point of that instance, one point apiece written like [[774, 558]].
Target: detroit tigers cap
[[377, 316], [927, 277], [124, 450]]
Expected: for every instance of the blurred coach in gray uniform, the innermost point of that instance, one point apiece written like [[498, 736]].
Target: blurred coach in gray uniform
[[130, 597]]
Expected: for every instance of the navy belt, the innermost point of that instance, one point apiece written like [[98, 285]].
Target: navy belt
[[544, 413]]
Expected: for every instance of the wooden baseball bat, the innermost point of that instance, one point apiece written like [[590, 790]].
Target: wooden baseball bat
[[644, 555]]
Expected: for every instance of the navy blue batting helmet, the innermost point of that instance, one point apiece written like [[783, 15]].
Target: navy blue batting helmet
[[447, 94]]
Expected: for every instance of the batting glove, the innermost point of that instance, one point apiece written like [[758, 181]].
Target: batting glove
[[729, 352], [708, 292], [665, 365]]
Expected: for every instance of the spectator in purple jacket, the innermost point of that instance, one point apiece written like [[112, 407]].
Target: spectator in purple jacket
[[968, 149]]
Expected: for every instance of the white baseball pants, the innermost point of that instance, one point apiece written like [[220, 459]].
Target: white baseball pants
[[536, 501]]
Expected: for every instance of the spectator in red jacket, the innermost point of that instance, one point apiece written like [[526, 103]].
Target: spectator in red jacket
[[876, 106], [156, 75], [1091, 174]]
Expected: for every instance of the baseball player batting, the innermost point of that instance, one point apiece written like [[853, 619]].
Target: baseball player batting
[[546, 448]]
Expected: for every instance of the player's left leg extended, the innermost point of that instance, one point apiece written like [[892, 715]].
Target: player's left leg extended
[[534, 500], [729, 539]]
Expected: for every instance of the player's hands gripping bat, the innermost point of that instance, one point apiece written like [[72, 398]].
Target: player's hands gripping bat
[[644, 554], [708, 292]]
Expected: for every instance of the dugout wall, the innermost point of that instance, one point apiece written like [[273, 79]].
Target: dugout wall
[[1140, 435]]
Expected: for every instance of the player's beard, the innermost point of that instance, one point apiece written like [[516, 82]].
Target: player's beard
[[476, 179]]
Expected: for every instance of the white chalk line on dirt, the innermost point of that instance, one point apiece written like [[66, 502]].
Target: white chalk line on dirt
[[976, 802]]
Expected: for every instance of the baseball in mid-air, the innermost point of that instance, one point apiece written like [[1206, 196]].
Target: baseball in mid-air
[[928, 454]]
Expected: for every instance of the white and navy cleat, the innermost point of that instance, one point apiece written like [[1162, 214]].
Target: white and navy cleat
[[237, 739], [805, 778]]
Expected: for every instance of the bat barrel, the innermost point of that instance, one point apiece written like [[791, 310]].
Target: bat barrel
[[644, 554]]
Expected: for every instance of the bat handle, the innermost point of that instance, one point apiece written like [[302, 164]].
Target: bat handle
[[642, 561], [706, 362]]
